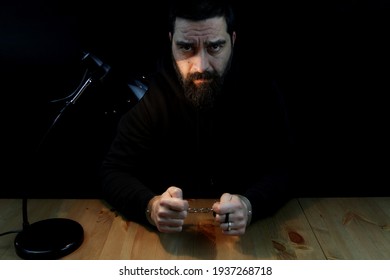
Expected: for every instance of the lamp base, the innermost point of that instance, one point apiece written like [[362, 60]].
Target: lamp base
[[49, 239]]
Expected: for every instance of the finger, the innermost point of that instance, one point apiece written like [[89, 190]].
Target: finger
[[174, 204], [229, 226], [232, 229], [167, 213], [170, 222], [169, 229], [234, 232], [171, 225], [224, 218], [169, 217]]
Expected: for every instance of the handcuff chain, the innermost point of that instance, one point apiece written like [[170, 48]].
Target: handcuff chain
[[200, 210]]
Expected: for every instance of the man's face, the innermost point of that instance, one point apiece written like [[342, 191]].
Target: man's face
[[202, 52]]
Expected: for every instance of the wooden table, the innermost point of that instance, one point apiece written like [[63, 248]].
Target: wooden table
[[305, 228]]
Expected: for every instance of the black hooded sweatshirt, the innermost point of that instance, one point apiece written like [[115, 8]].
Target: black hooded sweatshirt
[[240, 146]]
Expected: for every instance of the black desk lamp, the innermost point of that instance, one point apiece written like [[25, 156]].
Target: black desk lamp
[[47, 239], [57, 237]]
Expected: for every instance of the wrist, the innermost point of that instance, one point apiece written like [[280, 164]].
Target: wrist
[[149, 209], [248, 207]]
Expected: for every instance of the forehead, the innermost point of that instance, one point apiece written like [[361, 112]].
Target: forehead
[[209, 29]]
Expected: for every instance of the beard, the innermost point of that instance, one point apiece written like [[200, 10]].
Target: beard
[[204, 94]]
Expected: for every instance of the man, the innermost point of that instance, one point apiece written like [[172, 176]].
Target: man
[[199, 133]]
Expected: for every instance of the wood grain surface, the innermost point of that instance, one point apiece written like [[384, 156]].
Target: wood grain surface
[[305, 229]]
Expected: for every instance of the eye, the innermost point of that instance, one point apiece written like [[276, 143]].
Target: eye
[[184, 47], [215, 47]]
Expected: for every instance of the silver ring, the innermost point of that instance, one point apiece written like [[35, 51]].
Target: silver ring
[[229, 226]]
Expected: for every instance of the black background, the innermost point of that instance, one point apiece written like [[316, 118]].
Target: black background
[[332, 61]]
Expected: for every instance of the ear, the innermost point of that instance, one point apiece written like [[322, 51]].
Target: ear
[[170, 36], [233, 37]]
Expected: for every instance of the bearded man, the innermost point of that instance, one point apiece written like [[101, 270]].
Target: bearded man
[[200, 131]]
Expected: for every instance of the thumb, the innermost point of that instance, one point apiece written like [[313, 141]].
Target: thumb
[[226, 197], [175, 192]]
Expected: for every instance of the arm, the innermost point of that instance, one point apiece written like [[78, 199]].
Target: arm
[[122, 187], [268, 150]]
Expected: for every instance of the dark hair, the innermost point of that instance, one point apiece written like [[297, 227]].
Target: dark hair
[[197, 10]]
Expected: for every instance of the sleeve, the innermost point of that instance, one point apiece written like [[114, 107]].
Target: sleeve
[[270, 192], [126, 157]]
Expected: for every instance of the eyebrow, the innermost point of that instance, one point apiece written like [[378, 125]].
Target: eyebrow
[[208, 43], [218, 42]]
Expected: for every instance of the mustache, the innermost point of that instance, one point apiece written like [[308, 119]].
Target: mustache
[[202, 76]]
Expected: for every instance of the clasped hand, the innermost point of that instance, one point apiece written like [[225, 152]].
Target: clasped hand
[[169, 210]]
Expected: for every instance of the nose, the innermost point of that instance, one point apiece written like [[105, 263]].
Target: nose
[[200, 62]]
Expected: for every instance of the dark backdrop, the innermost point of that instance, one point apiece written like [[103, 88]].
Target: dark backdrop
[[331, 60]]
